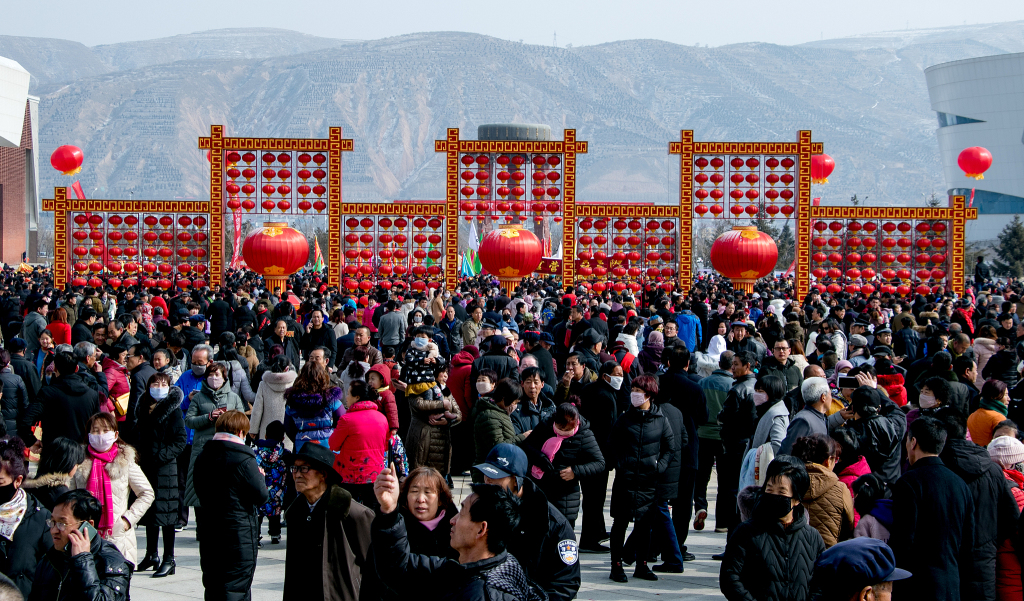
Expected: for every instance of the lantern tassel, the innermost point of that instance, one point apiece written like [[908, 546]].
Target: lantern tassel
[[74, 171], [819, 180], [975, 175]]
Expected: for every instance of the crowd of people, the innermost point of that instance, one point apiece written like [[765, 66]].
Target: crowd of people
[[861, 445]]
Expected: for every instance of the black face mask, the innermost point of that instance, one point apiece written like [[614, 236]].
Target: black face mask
[[7, 493], [770, 508]]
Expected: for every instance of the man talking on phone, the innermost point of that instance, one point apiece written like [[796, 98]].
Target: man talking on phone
[[81, 565]]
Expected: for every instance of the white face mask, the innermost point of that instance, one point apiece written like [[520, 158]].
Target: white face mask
[[215, 381], [159, 393], [926, 401], [102, 442], [615, 381], [420, 343], [483, 387], [760, 398], [637, 399]]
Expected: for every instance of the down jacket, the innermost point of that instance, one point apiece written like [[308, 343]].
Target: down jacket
[[1008, 572], [984, 348], [579, 451], [198, 419], [881, 439], [387, 403], [269, 404], [428, 445], [99, 575], [491, 426], [360, 443], [125, 477], [642, 446], [14, 401], [995, 511], [19, 556], [829, 505], [770, 562], [1002, 366], [310, 417], [161, 436]]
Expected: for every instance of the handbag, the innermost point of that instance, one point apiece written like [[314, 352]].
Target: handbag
[[121, 404]]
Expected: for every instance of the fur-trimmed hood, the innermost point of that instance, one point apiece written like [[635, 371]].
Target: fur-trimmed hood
[[279, 382], [116, 469], [165, 407], [49, 481]]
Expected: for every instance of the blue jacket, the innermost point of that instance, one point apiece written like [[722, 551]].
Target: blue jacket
[[188, 382], [689, 329]]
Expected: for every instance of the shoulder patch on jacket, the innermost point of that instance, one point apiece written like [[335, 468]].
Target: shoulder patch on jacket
[[568, 551]]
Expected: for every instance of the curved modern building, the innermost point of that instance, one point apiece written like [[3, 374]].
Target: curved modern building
[[980, 102]]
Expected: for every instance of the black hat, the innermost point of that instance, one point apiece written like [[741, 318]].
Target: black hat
[[319, 457], [866, 401]]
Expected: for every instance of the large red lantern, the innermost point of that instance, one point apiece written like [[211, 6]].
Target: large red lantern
[[822, 166], [744, 255], [974, 161], [510, 253], [275, 251], [67, 159]]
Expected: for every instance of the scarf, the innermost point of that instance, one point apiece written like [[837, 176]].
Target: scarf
[[99, 486], [431, 524], [228, 437], [550, 447], [11, 514], [994, 405]]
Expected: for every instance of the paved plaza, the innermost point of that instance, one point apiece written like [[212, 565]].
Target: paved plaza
[[700, 578]]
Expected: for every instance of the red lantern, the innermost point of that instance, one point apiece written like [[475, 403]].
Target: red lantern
[[974, 161], [67, 159], [275, 251], [822, 166], [744, 255], [510, 253]]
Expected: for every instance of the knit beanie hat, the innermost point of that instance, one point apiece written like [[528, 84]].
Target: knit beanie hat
[[1007, 451]]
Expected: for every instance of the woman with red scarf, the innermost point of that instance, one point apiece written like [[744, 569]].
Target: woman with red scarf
[[110, 470]]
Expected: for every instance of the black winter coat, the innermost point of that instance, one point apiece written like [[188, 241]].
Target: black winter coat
[[81, 332], [1002, 366], [230, 487], [100, 575], [668, 486], [642, 443], [14, 401], [319, 337], [499, 578], [769, 562], [19, 557], [738, 416], [505, 366], [933, 520], [995, 511], [139, 379], [161, 439], [545, 546], [881, 439], [29, 375], [580, 452], [436, 542], [64, 407], [688, 397], [600, 409], [526, 417]]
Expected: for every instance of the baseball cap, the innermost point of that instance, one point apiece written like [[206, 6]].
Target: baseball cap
[[504, 460], [856, 563], [547, 337]]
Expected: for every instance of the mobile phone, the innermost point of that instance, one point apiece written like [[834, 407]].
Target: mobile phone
[[848, 382], [87, 530]]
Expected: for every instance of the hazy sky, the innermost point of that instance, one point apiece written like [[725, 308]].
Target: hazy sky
[[579, 23]]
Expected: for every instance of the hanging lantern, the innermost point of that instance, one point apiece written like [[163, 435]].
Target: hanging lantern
[[974, 161], [67, 159], [275, 251], [510, 253], [744, 255], [822, 166]]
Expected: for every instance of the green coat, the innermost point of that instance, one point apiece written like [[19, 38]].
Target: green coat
[[491, 426], [198, 418]]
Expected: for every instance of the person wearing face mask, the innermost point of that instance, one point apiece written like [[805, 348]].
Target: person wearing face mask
[[213, 399], [642, 444], [497, 360], [771, 557], [24, 534], [491, 422], [160, 430], [110, 472]]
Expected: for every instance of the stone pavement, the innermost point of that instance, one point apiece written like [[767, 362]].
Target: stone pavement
[[699, 579]]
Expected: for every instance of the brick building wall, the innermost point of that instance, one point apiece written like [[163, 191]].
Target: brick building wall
[[13, 173]]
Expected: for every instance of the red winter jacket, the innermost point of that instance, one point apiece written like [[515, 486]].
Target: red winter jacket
[[849, 475], [360, 441], [117, 382], [387, 403], [894, 385], [459, 381], [1008, 572]]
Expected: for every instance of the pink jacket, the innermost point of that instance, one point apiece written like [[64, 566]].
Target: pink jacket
[[360, 441], [117, 381], [849, 475]]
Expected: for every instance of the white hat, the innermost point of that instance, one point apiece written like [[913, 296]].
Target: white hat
[[1007, 451]]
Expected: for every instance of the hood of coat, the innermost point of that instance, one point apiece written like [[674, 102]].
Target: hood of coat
[[856, 469], [384, 371], [73, 384], [462, 358], [988, 344], [116, 469], [971, 461], [109, 363], [313, 401], [279, 382], [49, 481], [168, 405], [363, 406], [822, 479]]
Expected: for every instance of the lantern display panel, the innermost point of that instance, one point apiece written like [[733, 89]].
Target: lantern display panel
[[264, 182], [630, 250], [380, 247], [752, 186], [510, 185], [898, 256], [122, 246]]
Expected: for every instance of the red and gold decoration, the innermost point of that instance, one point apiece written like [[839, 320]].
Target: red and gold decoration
[[618, 248], [510, 253], [974, 161], [275, 251], [382, 241], [744, 255]]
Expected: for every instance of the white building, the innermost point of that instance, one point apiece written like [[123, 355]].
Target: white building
[[19, 164], [980, 102]]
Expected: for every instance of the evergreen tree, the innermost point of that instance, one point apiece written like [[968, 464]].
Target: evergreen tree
[[787, 247], [1010, 251]]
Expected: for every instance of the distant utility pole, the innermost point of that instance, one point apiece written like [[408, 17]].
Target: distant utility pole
[[555, 41]]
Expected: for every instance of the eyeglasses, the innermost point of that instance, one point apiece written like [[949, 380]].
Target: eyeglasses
[[61, 526], [300, 469], [782, 348]]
